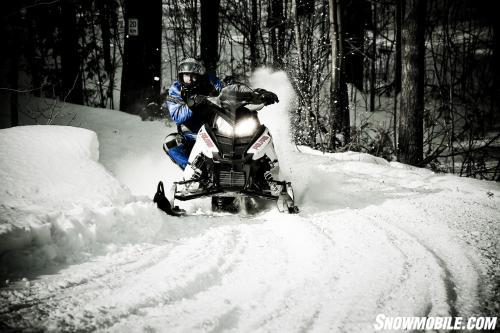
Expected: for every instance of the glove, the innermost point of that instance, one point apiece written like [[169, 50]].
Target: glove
[[195, 100], [267, 97], [151, 111]]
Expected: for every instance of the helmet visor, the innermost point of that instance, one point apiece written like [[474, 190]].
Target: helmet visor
[[190, 67]]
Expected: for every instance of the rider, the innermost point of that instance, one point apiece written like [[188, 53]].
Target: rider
[[186, 103], [188, 107]]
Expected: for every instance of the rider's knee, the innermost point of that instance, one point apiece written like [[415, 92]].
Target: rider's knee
[[171, 141]]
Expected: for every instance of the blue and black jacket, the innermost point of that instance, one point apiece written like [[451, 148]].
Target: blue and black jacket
[[209, 85]]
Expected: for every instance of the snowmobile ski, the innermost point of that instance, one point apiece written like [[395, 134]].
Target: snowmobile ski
[[163, 204], [285, 202]]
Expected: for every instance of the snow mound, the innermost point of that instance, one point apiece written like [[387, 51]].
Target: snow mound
[[129, 148], [57, 200], [54, 166]]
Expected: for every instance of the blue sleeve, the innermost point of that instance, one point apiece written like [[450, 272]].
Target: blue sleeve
[[179, 112], [214, 80]]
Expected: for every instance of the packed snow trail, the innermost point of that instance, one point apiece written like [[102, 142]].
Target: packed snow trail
[[372, 237], [319, 272]]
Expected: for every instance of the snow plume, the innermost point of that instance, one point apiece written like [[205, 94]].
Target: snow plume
[[277, 116], [57, 201]]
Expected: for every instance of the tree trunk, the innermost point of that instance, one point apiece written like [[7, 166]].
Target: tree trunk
[[412, 88], [254, 25], [355, 20], [343, 102], [301, 81], [397, 70], [104, 17], [72, 89], [271, 24], [296, 32], [373, 73], [107, 14], [210, 34], [494, 116], [334, 81], [14, 107], [339, 101], [194, 23], [11, 29], [141, 74], [277, 32]]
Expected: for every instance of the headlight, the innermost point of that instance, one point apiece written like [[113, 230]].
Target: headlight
[[245, 127], [224, 127]]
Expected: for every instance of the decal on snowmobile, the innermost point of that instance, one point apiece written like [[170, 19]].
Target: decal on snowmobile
[[207, 140], [263, 146], [263, 139], [205, 146]]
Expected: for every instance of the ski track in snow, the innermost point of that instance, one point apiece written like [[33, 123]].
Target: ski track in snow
[[327, 271]]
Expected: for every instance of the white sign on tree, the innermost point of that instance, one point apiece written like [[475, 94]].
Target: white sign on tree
[[133, 27]]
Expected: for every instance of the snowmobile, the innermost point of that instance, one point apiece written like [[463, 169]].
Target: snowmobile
[[233, 159]]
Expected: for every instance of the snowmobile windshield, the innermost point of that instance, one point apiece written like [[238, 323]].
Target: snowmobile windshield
[[236, 100]]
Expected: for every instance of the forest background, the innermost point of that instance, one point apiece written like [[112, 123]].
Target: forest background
[[415, 81]]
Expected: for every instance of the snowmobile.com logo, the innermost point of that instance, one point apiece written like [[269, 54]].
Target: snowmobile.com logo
[[383, 322]]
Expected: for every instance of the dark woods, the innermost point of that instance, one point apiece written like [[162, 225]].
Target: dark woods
[[415, 81], [64, 49]]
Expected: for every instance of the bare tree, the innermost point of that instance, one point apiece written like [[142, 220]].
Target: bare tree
[[276, 25], [339, 103], [210, 34], [108, 24], [70, 54], [252, 43], [397, 67], [142, 61], [410, 147], [243, 27]]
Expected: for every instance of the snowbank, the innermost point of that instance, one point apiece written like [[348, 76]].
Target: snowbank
[[56, 167], [128, 147], [56, 199]]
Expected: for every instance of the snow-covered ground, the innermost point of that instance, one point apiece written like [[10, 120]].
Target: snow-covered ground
[[82, 247]]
